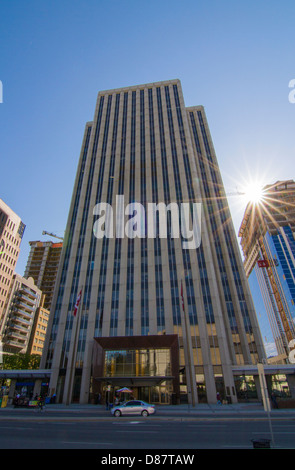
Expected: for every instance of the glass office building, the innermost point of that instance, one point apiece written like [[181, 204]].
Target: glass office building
[[165, 304], [267, 238]]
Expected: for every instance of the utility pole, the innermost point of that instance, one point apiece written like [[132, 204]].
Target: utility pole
[[77, 315], [265, 397], [188, 355]]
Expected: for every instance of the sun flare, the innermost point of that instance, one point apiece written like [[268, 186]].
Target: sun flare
[[254, 193]]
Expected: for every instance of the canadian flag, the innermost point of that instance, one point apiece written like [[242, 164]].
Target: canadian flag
[[77, 302], [263, 263]]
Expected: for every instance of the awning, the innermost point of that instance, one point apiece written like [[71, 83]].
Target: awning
[[268, 369], [134, 381], [25, 374]]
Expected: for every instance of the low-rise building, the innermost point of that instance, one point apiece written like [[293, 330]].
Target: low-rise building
[[22, 303]]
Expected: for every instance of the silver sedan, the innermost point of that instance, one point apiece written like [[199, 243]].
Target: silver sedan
[[133, 407]]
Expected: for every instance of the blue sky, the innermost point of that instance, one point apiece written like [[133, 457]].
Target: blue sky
[[236, 58]]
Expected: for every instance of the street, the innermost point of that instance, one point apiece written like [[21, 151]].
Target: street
[[26, 429]]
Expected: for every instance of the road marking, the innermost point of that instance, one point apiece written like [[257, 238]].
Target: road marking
[[145, 432], [139, 423], [275, 432], [89, 443], [236, 447], [14, 428], [208, 425]]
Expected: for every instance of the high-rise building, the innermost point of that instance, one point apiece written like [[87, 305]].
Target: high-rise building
[[39, 328], [267, 239], [42, 266], [165, 304], [11, 233], [19, 315]]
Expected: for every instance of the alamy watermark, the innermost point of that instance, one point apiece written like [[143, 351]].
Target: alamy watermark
[[136, 221], [292, 92]]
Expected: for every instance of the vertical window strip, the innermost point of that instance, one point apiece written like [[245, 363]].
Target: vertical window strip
[[144, 247], [192, 311], [213, 223], [228, 238], [175, 297], [104, 255], [199, 251], [130, 261], [157, 241], [92, 249], [110, 198], [218, 249]]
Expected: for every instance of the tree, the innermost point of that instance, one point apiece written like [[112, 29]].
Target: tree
[[21, 361]]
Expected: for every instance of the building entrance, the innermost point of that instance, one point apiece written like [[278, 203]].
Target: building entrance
[[148, 365], [156, 395]]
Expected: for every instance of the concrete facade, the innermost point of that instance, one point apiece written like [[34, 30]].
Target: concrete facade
[[18, 319], [144, 143], [11, 233]]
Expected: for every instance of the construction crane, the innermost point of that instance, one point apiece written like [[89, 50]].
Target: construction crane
[[237, 193], [51, 234]]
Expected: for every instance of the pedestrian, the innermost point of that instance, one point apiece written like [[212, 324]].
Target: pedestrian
[[274, 400], [218, 398], [40, 403]]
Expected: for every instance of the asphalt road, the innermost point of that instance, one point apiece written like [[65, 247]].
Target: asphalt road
[[28, 431]]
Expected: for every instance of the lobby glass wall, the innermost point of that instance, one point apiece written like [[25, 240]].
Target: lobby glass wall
[[140, 363], [136, 363]]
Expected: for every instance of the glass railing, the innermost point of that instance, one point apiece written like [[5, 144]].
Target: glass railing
[[33, 294], [22, 320]]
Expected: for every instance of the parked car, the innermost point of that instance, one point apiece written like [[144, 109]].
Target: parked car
[[133, 407]]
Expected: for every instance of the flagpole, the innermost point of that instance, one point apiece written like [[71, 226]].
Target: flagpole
[[186, 335], [76, 314]]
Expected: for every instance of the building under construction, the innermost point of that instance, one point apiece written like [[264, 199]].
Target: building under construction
[[42, 266], [267, 239]]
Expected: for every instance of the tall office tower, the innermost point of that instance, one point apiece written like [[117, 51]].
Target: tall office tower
[[267, 239], [168, 314], [42, 266], [18, 318], [11, 233]]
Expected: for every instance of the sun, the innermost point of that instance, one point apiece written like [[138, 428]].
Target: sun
[[253, 192]]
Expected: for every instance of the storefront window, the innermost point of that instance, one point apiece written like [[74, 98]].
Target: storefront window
[[245, 387], [279, 386], [137, 363]]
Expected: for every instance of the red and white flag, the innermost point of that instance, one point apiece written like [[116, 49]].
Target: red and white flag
[[77, 302]]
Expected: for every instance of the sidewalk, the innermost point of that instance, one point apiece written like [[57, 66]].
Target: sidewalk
[[174, 410]]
